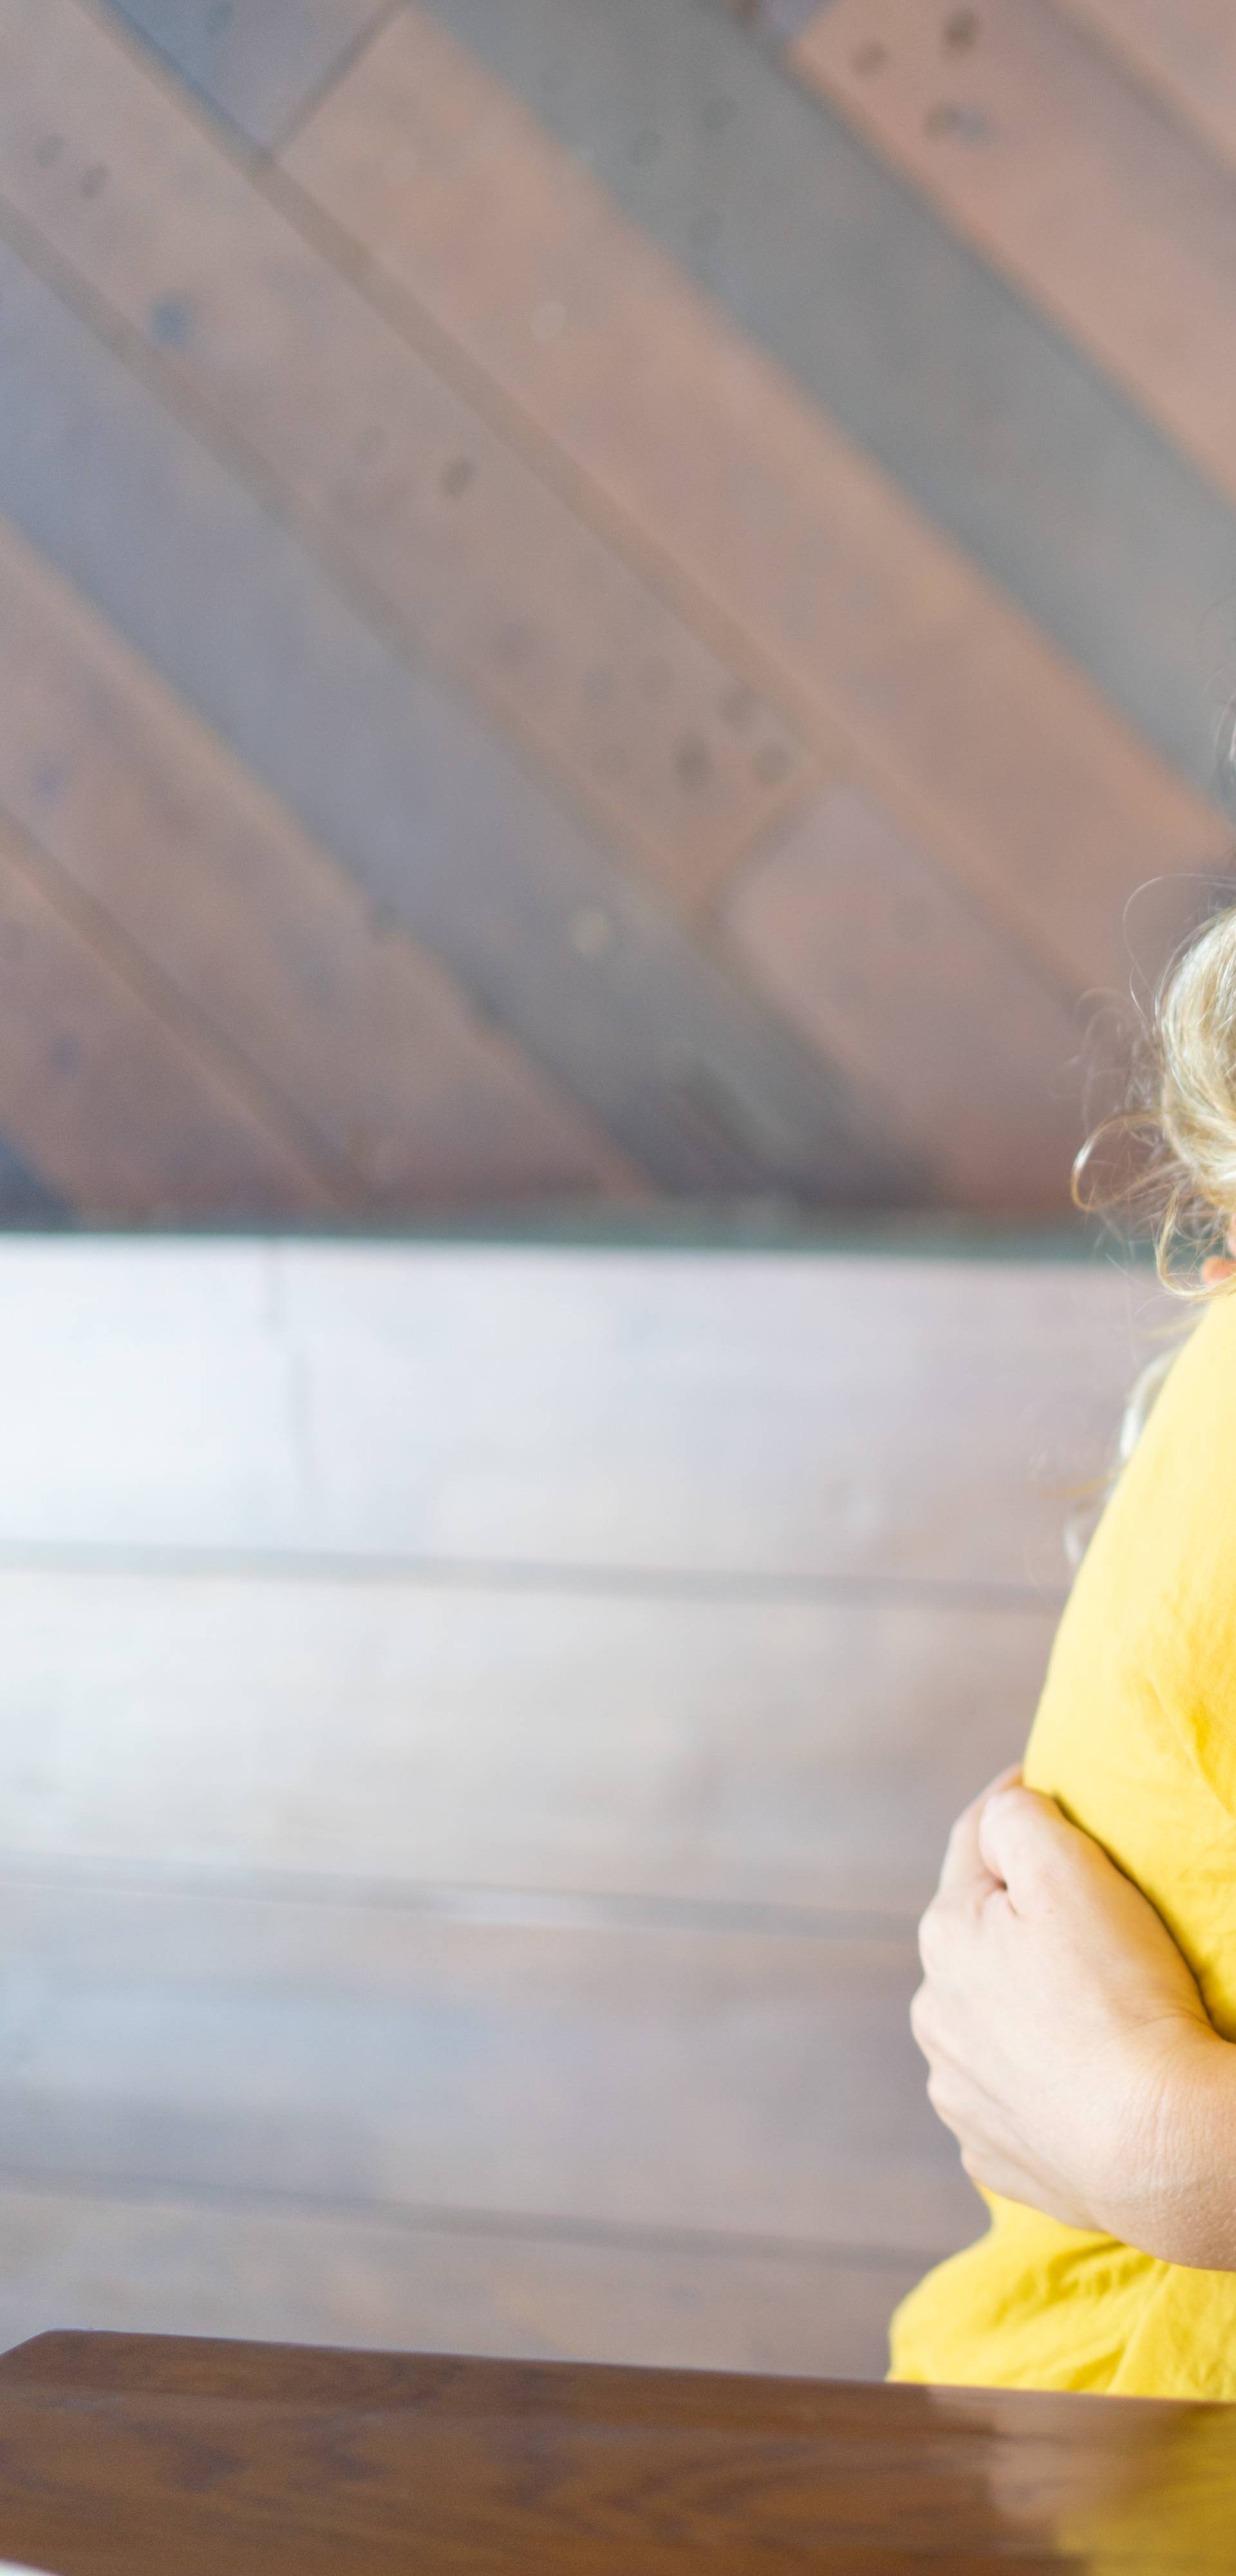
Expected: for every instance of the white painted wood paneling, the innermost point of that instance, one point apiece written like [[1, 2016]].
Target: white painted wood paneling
[[807, 1416], [809, 1753]]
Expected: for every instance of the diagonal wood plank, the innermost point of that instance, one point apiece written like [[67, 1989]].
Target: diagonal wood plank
[[1031, 142], [103, 1091], [980, 1069], [707, 1090], [257, 61], [991, 751], [729, 2082], [272, 2269], [1184, 53], [655, 717], [977, 407], [362, 1038], [428, 507]]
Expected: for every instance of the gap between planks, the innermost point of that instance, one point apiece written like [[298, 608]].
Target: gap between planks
[[497, 1907], [407, 2217], [172, 2263], [624, 1582]]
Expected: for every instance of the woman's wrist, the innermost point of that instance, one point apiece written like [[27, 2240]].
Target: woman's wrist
[[1172, 2188]]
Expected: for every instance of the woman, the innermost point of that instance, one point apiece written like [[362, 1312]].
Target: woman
[[1070, 2046]]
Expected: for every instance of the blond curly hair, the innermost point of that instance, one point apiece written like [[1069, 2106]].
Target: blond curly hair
[[1171, 1158]]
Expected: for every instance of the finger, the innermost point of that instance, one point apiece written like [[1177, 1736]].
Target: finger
[[1010, 1779], [1027, 1844], [924, 2025], [966, 1873]]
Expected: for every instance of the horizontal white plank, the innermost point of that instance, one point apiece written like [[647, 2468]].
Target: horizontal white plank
[[667, 1412], [752, 2084], [274, 2273], [808, 1753]]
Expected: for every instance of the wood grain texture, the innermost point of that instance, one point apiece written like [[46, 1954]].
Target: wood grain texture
[[1183, 52], [1065, 175], [974, 1059], [101, 1088], [758, 2084], [387, 1733], [313, 2273], [224, 2460], [429, 509], [991, 750], [400, 783], [256, 61], [1039, 470], [682, 1416], [361, 1039]]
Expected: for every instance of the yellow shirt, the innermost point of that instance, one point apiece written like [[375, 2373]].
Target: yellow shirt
[[1136, 1736]]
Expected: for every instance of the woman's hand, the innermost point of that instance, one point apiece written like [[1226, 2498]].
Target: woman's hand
[[1069, 2048]]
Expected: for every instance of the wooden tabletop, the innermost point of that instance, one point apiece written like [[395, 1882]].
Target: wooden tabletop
[[126, 2455]]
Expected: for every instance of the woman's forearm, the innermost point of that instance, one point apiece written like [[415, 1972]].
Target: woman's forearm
[[1068, 2045]]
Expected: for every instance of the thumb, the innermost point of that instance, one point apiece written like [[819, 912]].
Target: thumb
[[1024, 1840]]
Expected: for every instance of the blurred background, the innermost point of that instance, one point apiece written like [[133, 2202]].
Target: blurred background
[[617, 652], [602, 599]]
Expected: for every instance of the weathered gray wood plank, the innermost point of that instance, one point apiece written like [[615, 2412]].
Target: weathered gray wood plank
[[358, 1041], [918, 678], [1002, 430], [437, 819]]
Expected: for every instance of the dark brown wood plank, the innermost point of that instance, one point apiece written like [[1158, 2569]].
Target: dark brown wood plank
[[360, 1038], [991, 750], [256, 61], [1183, 52], [222, 2460], [312, 2273], [1062, 173], [102, 1090], [465, 548], [695, 1417], [979, 1066], [738, 2083], [705, 1087], [691, 1752]]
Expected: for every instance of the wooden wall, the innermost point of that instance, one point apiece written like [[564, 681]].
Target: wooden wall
[[600, 598], [476, 1731]]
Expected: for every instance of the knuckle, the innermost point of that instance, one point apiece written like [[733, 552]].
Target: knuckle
[[932, 1932], [921, 2020]]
